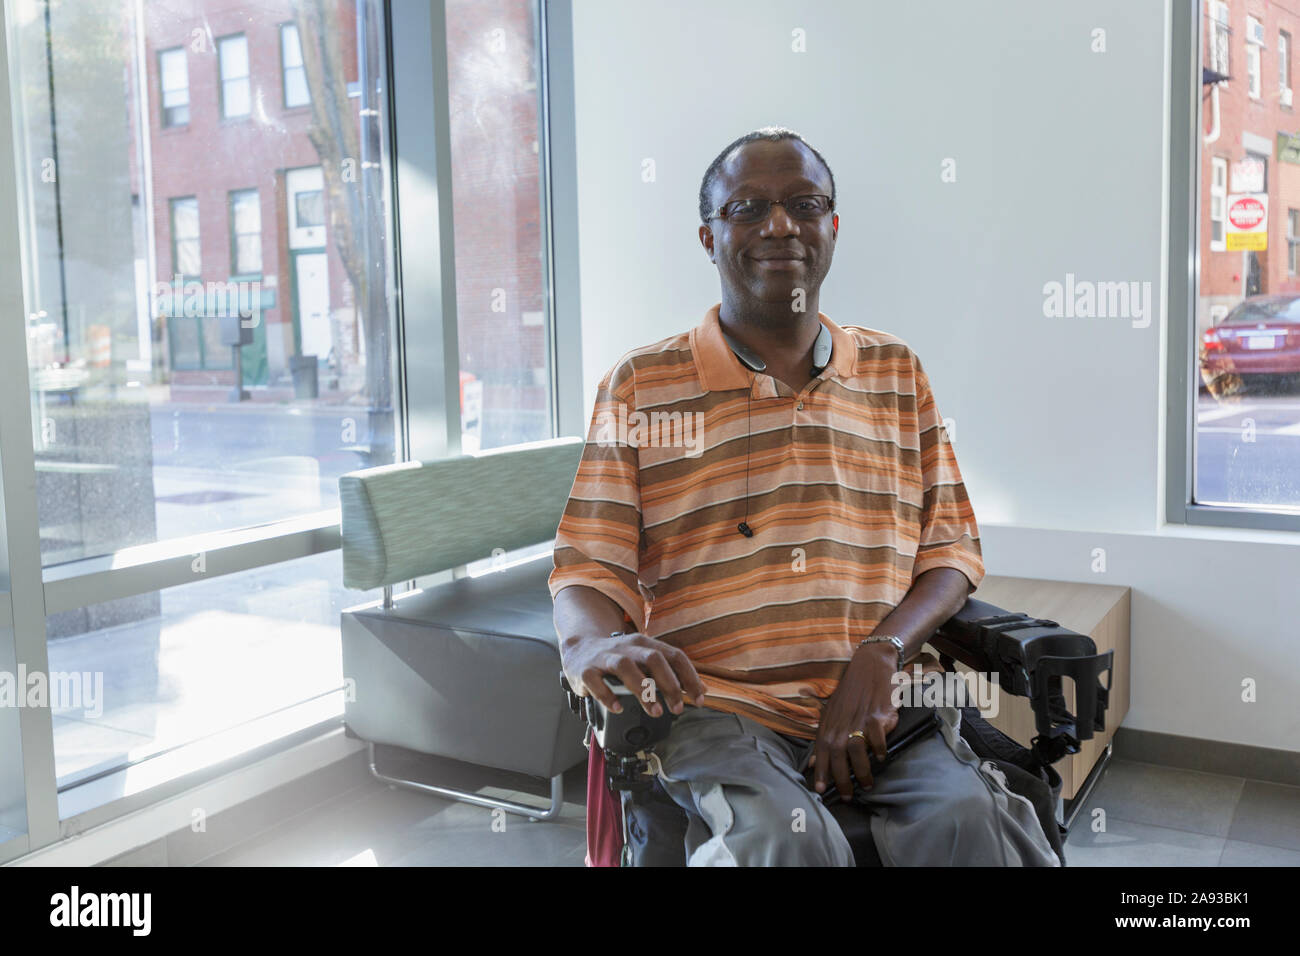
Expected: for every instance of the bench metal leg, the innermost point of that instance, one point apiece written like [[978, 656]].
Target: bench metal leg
[[533, 813]]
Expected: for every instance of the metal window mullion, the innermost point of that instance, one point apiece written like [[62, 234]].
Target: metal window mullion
[[20, 543], [1184, 171], [109, 578], [425, 257], [560, 172]]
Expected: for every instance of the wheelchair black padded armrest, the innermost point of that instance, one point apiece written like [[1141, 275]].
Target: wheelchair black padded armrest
[[1030, 656]]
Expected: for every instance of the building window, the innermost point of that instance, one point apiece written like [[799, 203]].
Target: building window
[[1284, 66], [236, 94], [296, 92], [194, 338], [185, 236], [1254, 43], [1292, 239], [1219, 35], [1218, 198], [309, 207], [174, 77], [245, 233]]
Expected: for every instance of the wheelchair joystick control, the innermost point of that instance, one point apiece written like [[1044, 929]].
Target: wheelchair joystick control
[[626, 737]]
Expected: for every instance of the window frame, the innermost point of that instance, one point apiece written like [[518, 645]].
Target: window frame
[[1292, 239], [221, 80], [1220, 38], [231, 198], [162, 91], [172, 202], [1284, 60], [284, 70], [1221, 193], [1254, 60], [1182, 385]]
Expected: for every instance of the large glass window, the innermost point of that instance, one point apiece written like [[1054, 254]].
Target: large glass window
[[211, 325], [501, 278], [210, 319], [180, 665], [142, 434], [1247, 307]]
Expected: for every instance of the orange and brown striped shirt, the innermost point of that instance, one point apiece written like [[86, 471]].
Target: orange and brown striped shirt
[[851, 488]]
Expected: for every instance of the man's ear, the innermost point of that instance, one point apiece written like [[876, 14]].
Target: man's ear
[[835, 224], [706, 240]]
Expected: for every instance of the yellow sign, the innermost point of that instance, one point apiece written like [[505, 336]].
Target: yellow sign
[[1247, 222], [1248, 241]]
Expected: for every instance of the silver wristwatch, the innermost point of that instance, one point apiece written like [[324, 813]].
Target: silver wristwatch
[[882, 640]]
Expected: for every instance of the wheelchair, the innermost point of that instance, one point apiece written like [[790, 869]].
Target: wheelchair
[[1030, 656]]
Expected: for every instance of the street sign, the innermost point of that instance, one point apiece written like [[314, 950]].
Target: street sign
[[1247, 175], [1247, 222]]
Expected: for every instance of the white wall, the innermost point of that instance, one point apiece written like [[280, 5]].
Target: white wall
[[1059, 160]]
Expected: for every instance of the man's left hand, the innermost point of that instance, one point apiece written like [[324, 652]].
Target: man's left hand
[[862, 701]]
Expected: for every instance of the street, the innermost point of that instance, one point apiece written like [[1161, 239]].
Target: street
[[1248, 451]]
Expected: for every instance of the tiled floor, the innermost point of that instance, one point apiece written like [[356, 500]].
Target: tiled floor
[[1159, 816], [345, 817], [1149, 816]]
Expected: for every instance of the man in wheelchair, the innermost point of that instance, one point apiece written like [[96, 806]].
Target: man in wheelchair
[[767, 525]]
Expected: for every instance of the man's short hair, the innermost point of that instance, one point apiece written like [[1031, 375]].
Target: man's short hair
[[771, 133]]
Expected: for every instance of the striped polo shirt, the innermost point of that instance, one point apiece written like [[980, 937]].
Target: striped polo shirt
[[850, 486]]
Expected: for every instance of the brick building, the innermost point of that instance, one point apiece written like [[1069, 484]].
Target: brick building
[[237, 191], [237, 195]]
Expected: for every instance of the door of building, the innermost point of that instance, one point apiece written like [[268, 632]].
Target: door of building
[[311, 289]]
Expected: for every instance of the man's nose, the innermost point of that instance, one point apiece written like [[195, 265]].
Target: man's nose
[[779, 223]]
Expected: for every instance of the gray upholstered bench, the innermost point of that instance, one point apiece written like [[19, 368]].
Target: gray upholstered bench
[[469, 669]]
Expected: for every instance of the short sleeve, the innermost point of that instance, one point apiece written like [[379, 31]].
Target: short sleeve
[[949, 534], [598, 541]]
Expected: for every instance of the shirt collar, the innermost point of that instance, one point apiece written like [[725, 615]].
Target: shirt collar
[[720, 369]]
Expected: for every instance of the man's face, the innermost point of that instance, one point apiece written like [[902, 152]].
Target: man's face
[[769, 259]]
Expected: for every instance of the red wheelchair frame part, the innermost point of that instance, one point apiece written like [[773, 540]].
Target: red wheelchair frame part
[[604, 812]]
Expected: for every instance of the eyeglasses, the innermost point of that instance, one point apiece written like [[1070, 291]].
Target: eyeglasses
[[806, 208]]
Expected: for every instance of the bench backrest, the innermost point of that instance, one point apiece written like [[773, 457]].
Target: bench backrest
[[407, 520]]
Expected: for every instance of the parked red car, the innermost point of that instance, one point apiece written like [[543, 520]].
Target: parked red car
[[1260, 337]]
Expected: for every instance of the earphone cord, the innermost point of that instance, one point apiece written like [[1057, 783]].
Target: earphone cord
[[749, 437]]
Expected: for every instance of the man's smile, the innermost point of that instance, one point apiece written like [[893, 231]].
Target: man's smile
[[778, 260]]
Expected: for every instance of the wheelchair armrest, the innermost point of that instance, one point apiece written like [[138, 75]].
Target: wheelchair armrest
[[1030, 656]]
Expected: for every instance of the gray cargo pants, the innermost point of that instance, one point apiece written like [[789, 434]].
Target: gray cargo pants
[[742, 787]]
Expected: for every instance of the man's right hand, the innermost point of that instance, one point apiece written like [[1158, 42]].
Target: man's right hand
[[633, 659]]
